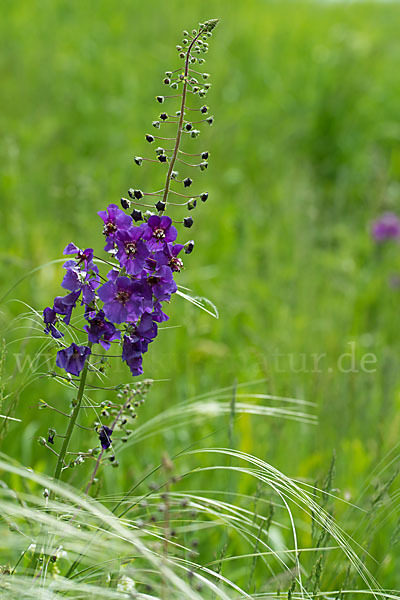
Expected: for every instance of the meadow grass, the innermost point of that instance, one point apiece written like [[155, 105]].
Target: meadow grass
[[305, 154]]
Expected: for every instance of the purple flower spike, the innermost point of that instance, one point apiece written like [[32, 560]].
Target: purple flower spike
[[73, 359], [100, 330], [159, 230], [123, 300], [50, 318], [387, 227], [105, 434], [132, 251], [115, 220]]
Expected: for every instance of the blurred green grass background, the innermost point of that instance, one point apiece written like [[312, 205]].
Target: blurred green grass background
[[305, 153]]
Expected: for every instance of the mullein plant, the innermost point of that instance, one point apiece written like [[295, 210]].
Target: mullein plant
[[124, 307]]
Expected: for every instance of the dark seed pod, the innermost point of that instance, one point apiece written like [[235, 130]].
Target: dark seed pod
[[137, 215], [125, 203], [204, 109], [131, 192], [162, 158], [204, 196], [203, 166], [188, 222], [138, 194], [160, 206], [174, 174], [167, 81], [188, 126], [189, 247], [192, 203], [187, 182], [163, 116], [156, 124], [204, 155], [160, 99], [210, 120], [149, 138], [160, 150], [138, 160]]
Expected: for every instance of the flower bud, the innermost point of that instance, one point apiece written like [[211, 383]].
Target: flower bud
[[137, 215], [207, 86], [166, 80], [174, 86], [42, 441], [194, 133], [204, 196], [202, 93], [125, 203], [156, 124], [138, 160], [179, 48], [162, 158], [182, 55], [168, 73], [188, 222], [205, 154], [138, 194], [149, 138], [160, 150], [189, 247], [210, 120], [160, 206], [192, 203], [195, 89], [188, 126], [160, 99], [163, 116], [131, 192], [51, 435], [201, 61], [204, 109], [203, 165], [174, 174], [206, 75], [178, 113], [184, 42], [187, 182]]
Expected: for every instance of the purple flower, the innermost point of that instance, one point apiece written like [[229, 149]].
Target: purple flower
[[105, 434], [157, 314], [64, 305], [169, 256], [146, 329], [73, 359], [124, 299], [115, 220], [159, 230], [50, 318], [387, 227], [85, 281], [85, 256], [132, 351], [162, 283], [132, 251], [100, 330]]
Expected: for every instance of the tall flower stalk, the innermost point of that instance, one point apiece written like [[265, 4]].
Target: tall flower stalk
[[124, 306]]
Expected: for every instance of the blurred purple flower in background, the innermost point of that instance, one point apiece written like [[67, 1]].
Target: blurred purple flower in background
[[387, 227]]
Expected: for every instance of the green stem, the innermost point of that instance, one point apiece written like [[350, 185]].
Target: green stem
[[72, 421]]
